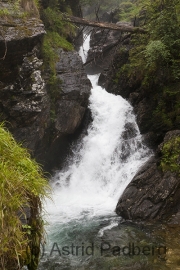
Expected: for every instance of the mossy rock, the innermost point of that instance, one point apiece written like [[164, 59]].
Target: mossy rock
[[170, 150]]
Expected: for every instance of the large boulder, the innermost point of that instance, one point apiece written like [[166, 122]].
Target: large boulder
[[154, 192]]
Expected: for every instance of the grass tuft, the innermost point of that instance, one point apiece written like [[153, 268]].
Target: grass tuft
[[22, 188]]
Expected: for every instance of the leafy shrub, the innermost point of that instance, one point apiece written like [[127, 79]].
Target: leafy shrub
[[171, 156], [155, 52]]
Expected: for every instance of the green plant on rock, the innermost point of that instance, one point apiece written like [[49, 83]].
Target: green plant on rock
[[155, 52], [170, 160], [58, 32], [20, 9], [4, 12], [30, 7], [22, 189], [51, 44], [154, 61]]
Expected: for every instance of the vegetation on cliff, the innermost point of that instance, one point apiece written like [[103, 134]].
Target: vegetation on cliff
[[58, 32], [154, 62], [170, 160], [59, 35], [22, 189], [19, 8]]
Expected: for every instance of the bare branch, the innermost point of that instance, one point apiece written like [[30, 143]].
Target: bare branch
[[5, 43], [96, 12]]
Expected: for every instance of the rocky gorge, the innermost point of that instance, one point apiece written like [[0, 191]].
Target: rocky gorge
[[47, 122], [47, 129]]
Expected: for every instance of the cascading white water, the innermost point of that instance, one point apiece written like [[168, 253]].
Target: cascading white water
[[107, 160]]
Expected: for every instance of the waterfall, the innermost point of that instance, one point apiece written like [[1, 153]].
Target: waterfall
[[104, 162]]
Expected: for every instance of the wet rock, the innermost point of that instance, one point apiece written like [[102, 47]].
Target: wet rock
[[74, 90], [70, 108], [152, 193], [25, 105], [113, 83], [151, 140], [103, 46], [69, 116], [130, 131], [18, 37]]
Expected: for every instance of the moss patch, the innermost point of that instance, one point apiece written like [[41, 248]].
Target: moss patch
[[19, 9], [171, 156]]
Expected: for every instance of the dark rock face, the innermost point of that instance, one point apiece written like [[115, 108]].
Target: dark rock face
[[104, 44], [25, 104], [75, 91], [102, 50], [18, 37], [152, 193], [74, 82], [71, 106], [65, 123]]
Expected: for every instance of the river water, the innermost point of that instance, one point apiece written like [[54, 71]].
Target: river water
[[83, 231]]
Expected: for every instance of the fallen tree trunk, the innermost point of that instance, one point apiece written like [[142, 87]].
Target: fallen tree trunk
[[112, 26]]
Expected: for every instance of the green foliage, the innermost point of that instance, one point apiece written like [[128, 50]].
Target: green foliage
[[170, 160], [167, 113], [90, 6], [22, 187], [154, 60], [52, 41], [155, 52], [20, 9], [30, 7], [4, 12], [159, 49], [128, 10], [57, 32], [53, 21]]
